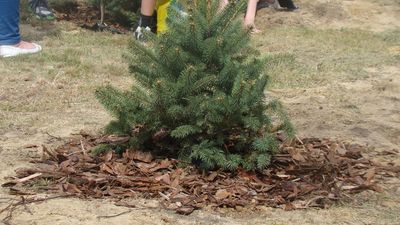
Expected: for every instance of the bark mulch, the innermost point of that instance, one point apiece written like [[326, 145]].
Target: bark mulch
[[306, 173]]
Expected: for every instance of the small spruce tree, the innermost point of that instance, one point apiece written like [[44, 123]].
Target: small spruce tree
[[199, 92]]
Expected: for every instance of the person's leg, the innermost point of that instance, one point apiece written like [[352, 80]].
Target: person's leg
[[9, 20], [10, 39], [146, 17], [146, 13], [250, 16], [147, 7]]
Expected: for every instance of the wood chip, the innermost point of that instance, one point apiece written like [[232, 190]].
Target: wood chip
[[222, 194]]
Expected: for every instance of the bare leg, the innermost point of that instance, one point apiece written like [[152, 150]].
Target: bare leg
[[147, 8], [223, 3], [146, 20], [250, 17]]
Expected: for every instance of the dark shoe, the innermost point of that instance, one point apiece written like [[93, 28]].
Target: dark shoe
[[295, 8], [288, 4], [145, 24], [41, 9]]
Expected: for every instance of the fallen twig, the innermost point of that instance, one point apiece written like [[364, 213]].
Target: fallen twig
[[314, 200], [83, 150], [25, 179], [23, 202], [25, 206], [22, 180], [134, 207], [164, 196], [111, 216], [299, 140], [52, 136]]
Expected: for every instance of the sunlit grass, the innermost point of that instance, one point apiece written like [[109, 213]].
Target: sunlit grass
[[305, 57]]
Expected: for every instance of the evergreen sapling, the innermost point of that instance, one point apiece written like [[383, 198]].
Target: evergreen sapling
[[199, 92]]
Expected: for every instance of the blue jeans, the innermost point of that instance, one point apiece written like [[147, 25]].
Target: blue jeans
[[9, 22]]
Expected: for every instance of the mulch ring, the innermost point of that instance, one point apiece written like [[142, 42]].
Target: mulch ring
[[306, 173]]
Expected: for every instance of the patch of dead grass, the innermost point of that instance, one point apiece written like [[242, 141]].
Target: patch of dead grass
[[305, 57], [60, 81]]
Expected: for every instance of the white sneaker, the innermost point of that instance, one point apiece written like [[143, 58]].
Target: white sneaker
[[138, 34], [10, 50]]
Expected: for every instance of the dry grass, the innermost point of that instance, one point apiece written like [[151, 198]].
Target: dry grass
[[75, 61], [306, 57], [63, 77], [315, 71]]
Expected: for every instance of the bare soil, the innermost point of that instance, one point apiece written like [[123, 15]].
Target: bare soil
[[349, 92]]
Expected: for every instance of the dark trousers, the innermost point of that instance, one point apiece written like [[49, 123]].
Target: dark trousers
[[287, 4]]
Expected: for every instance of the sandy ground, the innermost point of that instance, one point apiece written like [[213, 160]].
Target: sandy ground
[[364, 110], [368, 111]]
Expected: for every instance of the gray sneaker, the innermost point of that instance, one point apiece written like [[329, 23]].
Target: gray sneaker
[[41, 9]]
